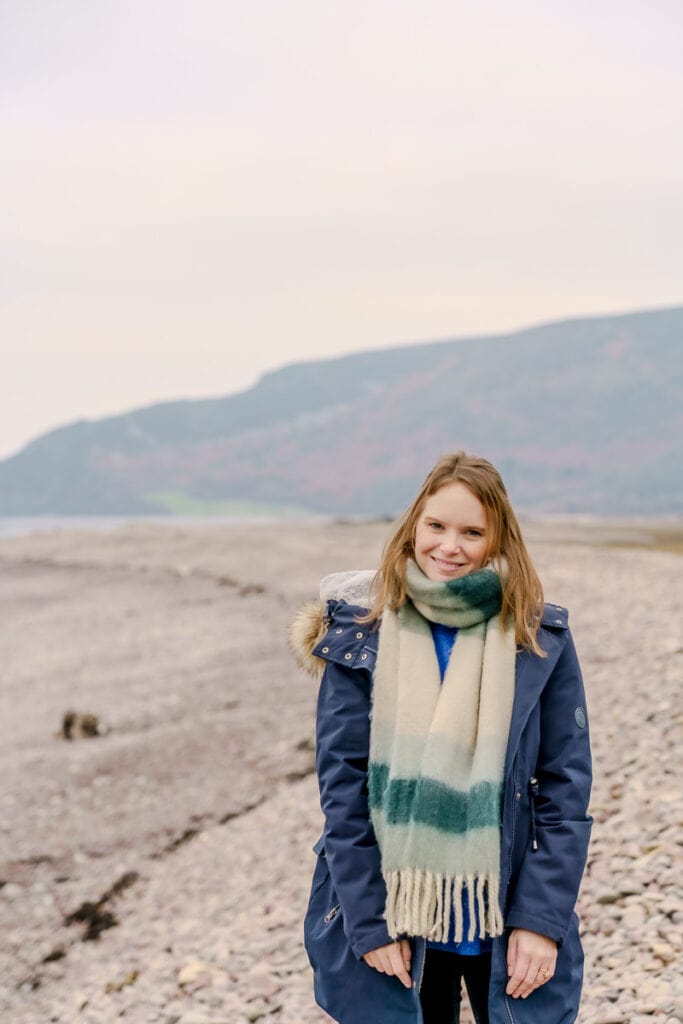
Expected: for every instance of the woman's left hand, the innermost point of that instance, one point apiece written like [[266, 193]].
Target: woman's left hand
[[530, 961]]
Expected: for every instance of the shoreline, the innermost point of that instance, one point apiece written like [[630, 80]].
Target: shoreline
[[656, 533]]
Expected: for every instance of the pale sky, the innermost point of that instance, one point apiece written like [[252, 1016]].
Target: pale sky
[[195, 191]]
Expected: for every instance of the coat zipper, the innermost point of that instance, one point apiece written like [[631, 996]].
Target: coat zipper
[[516, 796], [422, 969], [417, 984], [533, 789], [331, 914]]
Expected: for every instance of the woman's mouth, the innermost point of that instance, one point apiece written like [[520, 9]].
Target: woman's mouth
[[448, 566]]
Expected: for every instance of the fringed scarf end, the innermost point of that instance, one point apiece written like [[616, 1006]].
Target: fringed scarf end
[[424, 902]]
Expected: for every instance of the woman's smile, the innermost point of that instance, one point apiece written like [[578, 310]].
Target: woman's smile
[[448, 566]]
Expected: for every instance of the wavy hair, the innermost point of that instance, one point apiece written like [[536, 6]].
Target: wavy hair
[[522, 589]]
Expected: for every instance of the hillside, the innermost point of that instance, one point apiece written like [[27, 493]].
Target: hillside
[[582, 415]]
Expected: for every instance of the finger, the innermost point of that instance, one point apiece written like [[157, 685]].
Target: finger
[[406, 953], [544, 973], [520, 967], [374, 960], [532, 978], [542, 978], [512, 954], [382, 962], [398, 967]]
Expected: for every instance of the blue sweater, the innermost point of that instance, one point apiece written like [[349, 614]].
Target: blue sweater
[[444, 639]]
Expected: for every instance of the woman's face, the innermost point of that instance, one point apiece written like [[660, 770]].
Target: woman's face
[[451, 538]]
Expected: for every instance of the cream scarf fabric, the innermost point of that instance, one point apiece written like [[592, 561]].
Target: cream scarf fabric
[[437, 754]]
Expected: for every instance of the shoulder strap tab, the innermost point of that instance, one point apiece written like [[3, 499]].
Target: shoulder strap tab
[[348, 642], [555, 617]]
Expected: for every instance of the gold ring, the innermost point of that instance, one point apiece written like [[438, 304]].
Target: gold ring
[[544, 972]]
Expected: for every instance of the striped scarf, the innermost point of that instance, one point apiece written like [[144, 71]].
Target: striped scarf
[[437, 754]]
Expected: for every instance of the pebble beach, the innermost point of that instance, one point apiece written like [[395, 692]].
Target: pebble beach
[[157, 871]]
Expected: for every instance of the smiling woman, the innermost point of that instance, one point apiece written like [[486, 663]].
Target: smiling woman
[[451, 536], [454, 769]]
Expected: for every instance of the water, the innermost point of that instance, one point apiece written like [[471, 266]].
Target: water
[[23, 525]]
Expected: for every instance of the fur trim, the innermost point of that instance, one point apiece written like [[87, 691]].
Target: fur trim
[[309, 625], [353, 587], [306, 631]]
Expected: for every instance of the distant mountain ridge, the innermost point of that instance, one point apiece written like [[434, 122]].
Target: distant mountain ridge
[[581, 415]]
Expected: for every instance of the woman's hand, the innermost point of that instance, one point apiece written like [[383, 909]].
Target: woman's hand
[[531, 962], [392, 959]]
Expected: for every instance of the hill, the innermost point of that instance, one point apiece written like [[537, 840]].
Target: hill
[[582, 415]]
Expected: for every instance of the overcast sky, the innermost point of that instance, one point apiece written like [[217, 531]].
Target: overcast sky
[[195, 191]]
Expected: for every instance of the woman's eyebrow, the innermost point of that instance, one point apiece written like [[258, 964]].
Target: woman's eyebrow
[[435, 519]]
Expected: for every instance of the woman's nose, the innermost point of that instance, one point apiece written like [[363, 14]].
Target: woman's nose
[[450, 543]]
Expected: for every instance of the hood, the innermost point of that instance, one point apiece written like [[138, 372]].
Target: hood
[[310, 625]]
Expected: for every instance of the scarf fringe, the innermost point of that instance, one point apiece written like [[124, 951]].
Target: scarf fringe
[[419, 903]]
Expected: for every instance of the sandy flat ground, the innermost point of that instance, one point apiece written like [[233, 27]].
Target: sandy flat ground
[[187, 825]]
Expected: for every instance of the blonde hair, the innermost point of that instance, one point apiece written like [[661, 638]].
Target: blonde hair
[[522, 590]]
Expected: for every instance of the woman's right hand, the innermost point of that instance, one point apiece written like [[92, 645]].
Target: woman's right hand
[[392, 959]]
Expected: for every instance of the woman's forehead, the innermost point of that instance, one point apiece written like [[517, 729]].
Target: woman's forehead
[[457, 502]]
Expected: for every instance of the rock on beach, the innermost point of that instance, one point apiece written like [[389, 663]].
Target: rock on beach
[[187, 822]]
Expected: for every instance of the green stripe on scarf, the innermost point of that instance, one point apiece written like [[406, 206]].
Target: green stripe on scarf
[[437, 753], [433, 803], [463, 602]]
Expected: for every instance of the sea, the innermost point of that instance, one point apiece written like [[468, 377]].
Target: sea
[[23, 525]]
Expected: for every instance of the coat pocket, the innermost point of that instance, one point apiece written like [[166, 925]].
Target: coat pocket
[[323, 905], [345, 986]]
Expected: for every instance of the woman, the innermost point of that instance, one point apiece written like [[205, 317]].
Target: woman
[[454, 767]]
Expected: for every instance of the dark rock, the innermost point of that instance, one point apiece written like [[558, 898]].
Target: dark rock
[[79, 725], [58, 953], [96, 920]]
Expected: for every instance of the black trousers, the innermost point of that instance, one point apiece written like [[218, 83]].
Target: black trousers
[[440, 992]]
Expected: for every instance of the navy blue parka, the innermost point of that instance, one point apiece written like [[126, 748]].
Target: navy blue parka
[[546, 792]]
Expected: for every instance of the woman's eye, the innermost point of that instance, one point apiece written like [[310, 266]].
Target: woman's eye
[[475, 533], [434, 526]]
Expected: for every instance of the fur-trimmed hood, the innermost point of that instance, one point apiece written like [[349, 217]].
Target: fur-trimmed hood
[[310, 623]]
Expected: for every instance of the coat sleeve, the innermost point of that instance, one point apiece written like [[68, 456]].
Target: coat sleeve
[[353, 857], [548, 884]]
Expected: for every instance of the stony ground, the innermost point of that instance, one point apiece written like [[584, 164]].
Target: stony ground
[[180, 839]]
